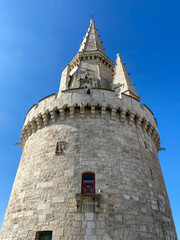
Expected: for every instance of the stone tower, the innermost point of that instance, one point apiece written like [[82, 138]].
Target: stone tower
[[89, 168]]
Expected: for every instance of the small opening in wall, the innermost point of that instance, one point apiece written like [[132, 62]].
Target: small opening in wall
[[44, 235], [88, 183], [88, 91], [151, 173], [127, 115], [60, 147], [163, 229], [145, 144], [158, 204]]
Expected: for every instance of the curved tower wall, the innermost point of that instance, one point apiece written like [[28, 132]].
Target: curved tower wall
[[114, 138]]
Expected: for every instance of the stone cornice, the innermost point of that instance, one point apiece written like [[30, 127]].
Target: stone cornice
[[91, 55], [57, 115]]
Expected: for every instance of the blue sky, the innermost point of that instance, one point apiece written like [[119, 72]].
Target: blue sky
[[39, 37]]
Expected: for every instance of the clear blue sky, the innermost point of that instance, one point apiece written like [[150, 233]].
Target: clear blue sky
[[39, 37]]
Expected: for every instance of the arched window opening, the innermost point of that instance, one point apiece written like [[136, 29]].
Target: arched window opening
[[88, 183]]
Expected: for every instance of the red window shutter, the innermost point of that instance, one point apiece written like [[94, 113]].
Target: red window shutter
[[88, 183]]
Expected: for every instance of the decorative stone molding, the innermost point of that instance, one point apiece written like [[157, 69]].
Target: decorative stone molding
[[72, 112], [82, 112], [39, 121], [53, 115], [103, 112], [29, 131], [139, 121], [122, 116], [150, 129], [91, 56], [50, 116], [145, 125], [131, 119], [153, 133], [93, 198], [33, 126], [45, 118], [62, 115], [92, 111], [113, 113]]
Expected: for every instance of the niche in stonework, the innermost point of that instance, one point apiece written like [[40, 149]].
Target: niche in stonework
[[60, 147]]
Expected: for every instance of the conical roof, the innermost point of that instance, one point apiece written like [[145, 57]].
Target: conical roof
[[91, 40], [121, 76]]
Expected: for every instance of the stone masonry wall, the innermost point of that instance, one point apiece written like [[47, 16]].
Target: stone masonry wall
[[133, 199]]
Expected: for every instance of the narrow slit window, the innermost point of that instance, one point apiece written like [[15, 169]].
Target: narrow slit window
[[88, 183], [158, 204], [47, 235], [151, 173]]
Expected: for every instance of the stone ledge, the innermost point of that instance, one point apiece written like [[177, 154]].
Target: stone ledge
[[93, 198]]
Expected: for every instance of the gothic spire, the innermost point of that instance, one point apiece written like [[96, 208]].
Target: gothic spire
[[90, 67], [91, 40], [122, 76]]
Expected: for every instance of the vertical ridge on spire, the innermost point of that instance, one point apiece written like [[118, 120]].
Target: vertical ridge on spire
[[122, 76], [92, 40]]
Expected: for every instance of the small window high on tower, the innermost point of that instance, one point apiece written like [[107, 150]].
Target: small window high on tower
[[88, 183]]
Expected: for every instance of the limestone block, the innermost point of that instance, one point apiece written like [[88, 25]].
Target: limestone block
[[89, 216], [90, 225]]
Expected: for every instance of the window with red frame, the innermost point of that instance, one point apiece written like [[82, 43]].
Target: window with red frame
[[88, 183], [44, 235]]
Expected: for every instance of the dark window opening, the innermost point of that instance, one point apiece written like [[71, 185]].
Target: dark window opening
[[44, 235], [88, 183], [151, 173], [88, 91], [163, 229], [158, 204]]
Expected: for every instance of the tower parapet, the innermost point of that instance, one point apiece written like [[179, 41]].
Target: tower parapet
[[73, 102]]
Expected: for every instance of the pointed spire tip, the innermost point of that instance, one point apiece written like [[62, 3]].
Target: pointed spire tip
[[92, 19], [91, 41]]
